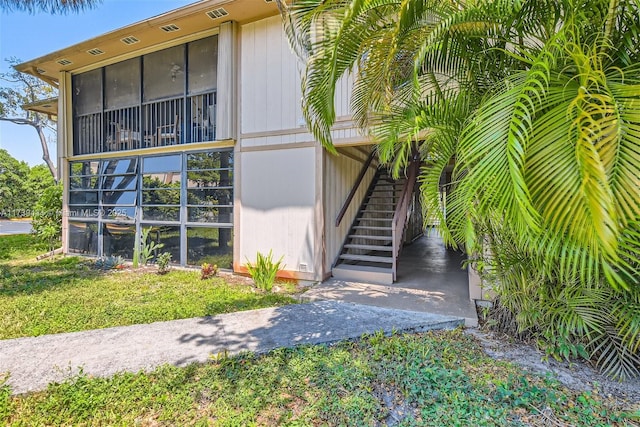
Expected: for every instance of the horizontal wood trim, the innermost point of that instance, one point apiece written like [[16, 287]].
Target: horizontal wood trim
[[343, 123], [157, 150], [285, 146], [353, 141]]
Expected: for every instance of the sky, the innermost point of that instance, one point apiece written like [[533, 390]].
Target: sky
[[29, 36]]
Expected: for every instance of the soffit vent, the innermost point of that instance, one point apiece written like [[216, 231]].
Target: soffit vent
[[217, 13], [95, 51], [268, 1], [129, 40], [40, 71], [64, 62], [170, 28]]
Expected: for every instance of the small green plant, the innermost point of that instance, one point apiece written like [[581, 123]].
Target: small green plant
[[47, 216], [109, 263], [264, 271], [163, 261], [143, 250], [208, 271], [5, 398]]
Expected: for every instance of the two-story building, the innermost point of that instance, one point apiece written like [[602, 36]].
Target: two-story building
[[190, 123]]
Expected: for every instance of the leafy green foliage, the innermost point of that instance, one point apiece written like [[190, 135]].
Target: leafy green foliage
[[14, 201], [145, 250], [21, 187], [48, 6], [162, 261], [47, 215], [69, 294], [264, 271], [567, 319], [208, 271], [433, 379], [538, 105]]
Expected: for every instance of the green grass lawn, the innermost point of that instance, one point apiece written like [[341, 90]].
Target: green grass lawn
[[434, 379], [67, 294]]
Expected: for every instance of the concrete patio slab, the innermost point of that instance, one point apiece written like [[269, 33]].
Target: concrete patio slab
[[395, 297]]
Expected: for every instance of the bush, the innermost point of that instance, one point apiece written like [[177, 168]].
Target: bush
[[264, 271], [144, 250], [163, 261], [581, 317], [207, 271], [47, 216]]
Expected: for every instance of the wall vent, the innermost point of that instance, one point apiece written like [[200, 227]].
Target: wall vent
[[217, 13], [170, 28], [129, 40], [95, 51], [64, 62]]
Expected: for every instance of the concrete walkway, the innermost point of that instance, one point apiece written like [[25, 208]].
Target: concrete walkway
[[35, 362]]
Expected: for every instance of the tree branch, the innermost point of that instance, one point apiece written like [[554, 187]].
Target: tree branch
[[19, 121]]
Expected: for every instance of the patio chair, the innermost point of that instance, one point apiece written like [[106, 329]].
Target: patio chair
[[169, 133]]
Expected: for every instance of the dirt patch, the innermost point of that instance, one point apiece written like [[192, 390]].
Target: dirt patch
[[577, 375]]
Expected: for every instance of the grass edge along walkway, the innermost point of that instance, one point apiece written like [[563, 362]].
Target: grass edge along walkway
[[437, 378]]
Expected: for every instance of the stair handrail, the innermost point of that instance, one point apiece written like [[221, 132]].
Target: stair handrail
[[400, 214], [354, 189]]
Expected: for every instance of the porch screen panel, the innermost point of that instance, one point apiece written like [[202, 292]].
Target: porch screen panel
[[83, 237], [87, 92], [203, 65], [122, 84], [164, 74], [87, 112]]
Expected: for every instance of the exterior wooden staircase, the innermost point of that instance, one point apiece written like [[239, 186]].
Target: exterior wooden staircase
[[372, 246]]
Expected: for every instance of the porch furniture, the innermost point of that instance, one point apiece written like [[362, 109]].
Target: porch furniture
[[168, 134], [123, 139]]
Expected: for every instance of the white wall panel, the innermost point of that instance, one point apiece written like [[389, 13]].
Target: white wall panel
[[278, 199]]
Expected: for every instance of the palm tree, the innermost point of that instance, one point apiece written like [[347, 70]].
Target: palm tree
[[49, 6], [538, 102]]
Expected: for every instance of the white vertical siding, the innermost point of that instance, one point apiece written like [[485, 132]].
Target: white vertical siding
[[270, 78], [227, 83], [270, 87]]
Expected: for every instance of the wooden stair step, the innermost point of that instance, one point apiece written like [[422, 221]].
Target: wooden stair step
[[368, 247], [367, 227], [369, 258], [374, 219], [376, 211], [364, 237]]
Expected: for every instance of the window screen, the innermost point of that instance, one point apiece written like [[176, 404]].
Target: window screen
[[164, 74], [122, 84], [203, 65], [87, 92]]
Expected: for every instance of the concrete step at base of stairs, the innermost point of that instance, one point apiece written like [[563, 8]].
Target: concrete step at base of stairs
[[366, 274]]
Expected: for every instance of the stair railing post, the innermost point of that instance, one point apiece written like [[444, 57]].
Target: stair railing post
[[397, 226]]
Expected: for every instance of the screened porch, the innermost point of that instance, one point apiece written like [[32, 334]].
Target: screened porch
[[159, 99]]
